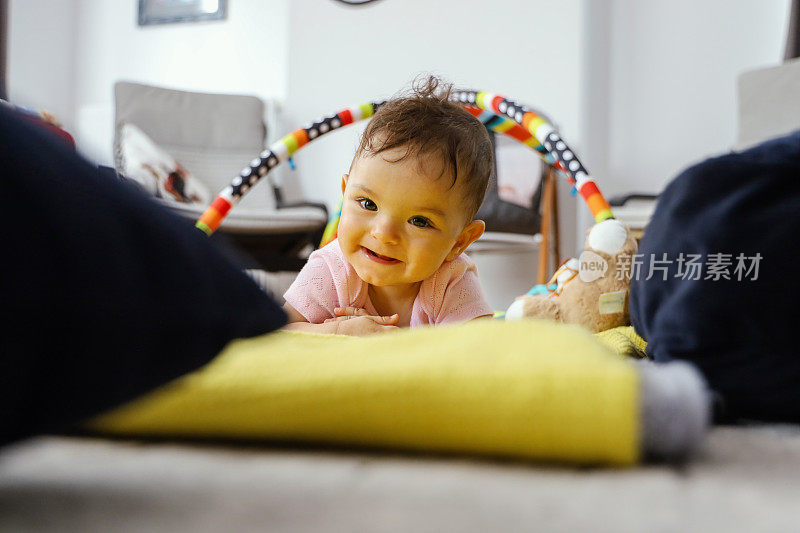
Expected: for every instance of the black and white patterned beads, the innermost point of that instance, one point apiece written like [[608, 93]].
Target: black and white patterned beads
[[512, 110], [559, 148], [465, 97]]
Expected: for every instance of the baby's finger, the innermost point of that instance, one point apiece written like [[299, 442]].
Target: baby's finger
[[350, 311], [386, 320]]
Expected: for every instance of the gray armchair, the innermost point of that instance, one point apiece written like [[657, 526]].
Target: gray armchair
[[215, 136]]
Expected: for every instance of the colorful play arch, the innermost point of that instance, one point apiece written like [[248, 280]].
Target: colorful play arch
[[498, 113]]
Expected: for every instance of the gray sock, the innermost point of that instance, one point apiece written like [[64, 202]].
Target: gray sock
[[676, 409]]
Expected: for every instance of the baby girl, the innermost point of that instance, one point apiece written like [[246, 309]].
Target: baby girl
[[415, 184]]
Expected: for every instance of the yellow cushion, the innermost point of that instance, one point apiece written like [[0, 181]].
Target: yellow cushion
[[529, 389], [625, 341]]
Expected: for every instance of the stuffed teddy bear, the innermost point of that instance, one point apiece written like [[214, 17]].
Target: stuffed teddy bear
[[591, 291]]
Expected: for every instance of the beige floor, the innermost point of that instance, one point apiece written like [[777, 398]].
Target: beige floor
[[743, 480]]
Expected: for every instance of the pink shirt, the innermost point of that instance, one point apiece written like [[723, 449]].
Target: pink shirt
[[452, 294]]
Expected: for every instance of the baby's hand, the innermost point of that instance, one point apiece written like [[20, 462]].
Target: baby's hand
[[356, 321]]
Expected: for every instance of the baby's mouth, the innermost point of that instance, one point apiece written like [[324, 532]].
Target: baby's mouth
[[383, 259]]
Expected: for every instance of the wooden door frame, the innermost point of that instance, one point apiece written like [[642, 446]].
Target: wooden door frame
[[549, 228]]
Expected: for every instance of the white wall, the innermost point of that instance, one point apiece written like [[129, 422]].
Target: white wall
[[672, 81], [246, 53], [41, 56]]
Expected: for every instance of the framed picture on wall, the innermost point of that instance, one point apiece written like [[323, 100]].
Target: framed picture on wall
[[168, 11]]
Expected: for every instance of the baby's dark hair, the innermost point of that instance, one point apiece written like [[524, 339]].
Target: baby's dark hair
[[426, 123]]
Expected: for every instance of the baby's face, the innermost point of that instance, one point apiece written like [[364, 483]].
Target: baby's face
[[400, 222]]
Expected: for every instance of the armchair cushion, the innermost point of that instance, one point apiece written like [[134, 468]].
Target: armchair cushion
[[141, 160]]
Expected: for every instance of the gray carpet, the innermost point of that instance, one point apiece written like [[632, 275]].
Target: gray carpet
[[744, 479]]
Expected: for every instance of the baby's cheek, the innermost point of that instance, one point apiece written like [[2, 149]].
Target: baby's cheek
[[344, 223], [346, 234]]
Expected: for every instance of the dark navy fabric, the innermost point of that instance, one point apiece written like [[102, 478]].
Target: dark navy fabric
[[104, 293], [742, 334]]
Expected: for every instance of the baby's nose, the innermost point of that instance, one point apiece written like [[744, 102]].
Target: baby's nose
[[385, 231]]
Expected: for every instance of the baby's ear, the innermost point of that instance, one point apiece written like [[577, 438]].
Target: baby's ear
[[468, 235], [344, 182]]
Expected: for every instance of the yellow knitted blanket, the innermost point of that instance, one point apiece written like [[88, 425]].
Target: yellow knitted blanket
[[526, 389], [625, 341]]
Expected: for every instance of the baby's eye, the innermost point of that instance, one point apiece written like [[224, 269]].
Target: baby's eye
[[368, 204], [420, 222]]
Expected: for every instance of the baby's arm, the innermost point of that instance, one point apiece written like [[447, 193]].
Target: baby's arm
[[343, 325]]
